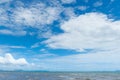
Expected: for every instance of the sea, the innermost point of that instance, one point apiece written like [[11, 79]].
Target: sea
[[21, 75]]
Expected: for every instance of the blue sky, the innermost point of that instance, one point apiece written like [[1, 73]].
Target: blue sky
[[60, 35]]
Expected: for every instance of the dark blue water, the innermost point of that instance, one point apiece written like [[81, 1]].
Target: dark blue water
[[59, 76]]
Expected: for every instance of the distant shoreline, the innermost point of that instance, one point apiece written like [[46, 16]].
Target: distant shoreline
[[62, 71]]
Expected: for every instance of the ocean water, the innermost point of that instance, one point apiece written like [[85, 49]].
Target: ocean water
[[59, 76]]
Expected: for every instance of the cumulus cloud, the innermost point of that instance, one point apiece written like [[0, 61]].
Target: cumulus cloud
[[8, 48], [88, 31], [8, 59]]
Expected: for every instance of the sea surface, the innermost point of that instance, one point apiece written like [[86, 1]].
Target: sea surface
[[59, 75]]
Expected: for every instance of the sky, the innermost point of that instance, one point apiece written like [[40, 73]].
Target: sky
[[60, 35]]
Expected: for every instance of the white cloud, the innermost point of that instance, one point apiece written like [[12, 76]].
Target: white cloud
[[97, 4], [36, 15], [8, 62], [68, 1], [14, 33], [87, 31], [8, 59], [11, 47]]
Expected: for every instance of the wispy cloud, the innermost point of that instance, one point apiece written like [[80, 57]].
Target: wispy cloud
[[14, 33], [46, 55], [20, 18], [11, 47], [68, 1], [36, 15]]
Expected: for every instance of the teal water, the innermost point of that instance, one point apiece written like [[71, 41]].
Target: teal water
[[59, 75]]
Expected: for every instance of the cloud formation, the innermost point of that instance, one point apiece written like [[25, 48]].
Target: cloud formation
[[8, 59], [88, 31], [14, 33], [63, 25], [37, 15]]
